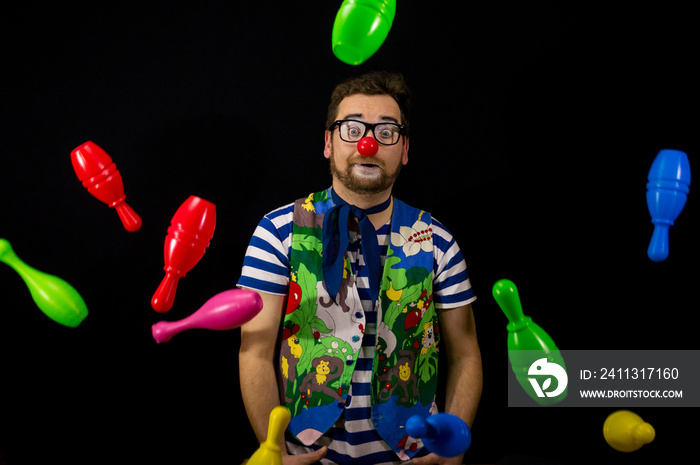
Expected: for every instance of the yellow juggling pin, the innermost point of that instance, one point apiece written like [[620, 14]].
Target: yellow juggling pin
[[269, 452], [626, 431]]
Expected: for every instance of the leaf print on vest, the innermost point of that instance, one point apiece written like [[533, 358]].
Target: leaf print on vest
[[408, 329], [321, 377], [301, 324]]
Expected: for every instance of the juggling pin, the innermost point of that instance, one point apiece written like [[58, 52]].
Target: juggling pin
[[626, 431], [667, 190], [360, 28], [189, 234], [443, 434], [269, 452], [55, 297], [100, 176], [367, 147], [226, 310], [527, 343]]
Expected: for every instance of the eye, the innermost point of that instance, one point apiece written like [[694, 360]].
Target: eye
[[353, 130], [385, 133]]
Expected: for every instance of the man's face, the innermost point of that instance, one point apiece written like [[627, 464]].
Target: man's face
[[359, 174]]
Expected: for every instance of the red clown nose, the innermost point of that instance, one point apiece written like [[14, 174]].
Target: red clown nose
[[367, 146]]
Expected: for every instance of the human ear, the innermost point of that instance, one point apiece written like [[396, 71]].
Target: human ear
[[327, 146]]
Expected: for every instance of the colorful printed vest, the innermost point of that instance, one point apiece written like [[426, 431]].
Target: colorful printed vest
[[321, 338]]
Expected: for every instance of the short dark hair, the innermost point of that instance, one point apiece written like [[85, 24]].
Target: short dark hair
[[373, 83]]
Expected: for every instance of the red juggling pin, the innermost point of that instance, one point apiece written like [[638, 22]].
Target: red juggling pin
[[100, 176], [226, 310], [189, 234]]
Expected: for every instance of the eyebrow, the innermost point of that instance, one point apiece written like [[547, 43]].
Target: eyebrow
[[382, 118]]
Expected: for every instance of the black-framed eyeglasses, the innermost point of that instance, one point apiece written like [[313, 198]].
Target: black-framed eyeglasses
[[385, 133]]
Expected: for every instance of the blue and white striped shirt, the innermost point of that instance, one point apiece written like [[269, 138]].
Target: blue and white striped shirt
[[266, 269]]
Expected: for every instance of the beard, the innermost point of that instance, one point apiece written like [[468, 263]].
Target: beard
[[372, 184]]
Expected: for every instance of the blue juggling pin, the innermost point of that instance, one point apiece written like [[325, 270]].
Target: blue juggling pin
[[667, 191], [443, 434]]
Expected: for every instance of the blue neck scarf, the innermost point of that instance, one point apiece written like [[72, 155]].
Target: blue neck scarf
[[336, 240]]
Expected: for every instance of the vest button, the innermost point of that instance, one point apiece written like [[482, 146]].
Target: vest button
[[355, 338], [358, 315]]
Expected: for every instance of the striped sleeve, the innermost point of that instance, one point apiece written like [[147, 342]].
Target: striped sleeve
[[451, 287], [266, 262]]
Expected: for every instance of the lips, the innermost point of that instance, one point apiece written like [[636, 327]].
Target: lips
[[366, 164], [368, 167]]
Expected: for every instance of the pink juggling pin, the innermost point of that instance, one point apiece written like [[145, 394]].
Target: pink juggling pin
[[226, 310]]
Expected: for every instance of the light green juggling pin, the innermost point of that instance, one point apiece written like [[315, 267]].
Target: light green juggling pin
[[360, 28], [55, 297], [527, 344]]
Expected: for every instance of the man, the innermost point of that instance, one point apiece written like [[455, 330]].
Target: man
[[360, 291]]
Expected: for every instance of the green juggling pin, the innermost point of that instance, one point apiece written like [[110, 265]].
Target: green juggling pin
[[55, 297], [528, 343], [360, 28]]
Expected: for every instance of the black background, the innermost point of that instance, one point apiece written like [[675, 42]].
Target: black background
[[534, 127]]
